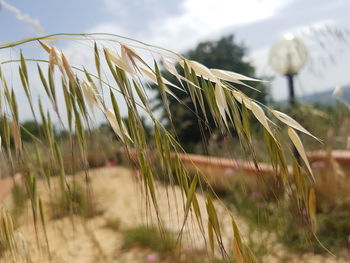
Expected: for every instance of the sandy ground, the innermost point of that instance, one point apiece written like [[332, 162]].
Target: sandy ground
[[119, 195]]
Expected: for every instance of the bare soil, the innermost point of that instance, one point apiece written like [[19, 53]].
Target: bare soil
[[119, 195]]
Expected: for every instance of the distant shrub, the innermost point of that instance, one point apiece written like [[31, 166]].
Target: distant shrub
[[113, 224], [19, 198], [150, 237], [74, 200]]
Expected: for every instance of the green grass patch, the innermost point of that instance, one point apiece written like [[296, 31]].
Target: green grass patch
[[76, 200], [289, 224], [113, 224], [19, 199], [150, 237]]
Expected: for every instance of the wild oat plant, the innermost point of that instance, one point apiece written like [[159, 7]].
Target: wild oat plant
[[122, 76]]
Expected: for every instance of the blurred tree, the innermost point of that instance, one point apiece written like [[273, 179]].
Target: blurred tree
[[28, 130], [224, 54]]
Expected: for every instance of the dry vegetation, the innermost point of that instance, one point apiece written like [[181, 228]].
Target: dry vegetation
[[74, 218], [126, 231]]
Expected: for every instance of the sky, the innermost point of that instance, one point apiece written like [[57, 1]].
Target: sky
[[181, 24]]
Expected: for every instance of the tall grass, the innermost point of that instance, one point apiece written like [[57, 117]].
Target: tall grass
[[281, 218], [122, 76]]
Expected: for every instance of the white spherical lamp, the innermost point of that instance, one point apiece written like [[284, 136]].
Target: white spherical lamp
[[288, 55]]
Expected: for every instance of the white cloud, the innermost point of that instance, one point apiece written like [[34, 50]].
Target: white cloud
[[219, 14], [23, 17], [199, 19], [193, 20], [205, 18], [202, 19]]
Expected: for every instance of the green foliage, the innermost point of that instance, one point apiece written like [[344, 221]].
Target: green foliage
[[74, 200], [30, 130], [332, 123], [291, 224], [191, 122], [250, 202], [332, 232], [334, 228], [150, 237]]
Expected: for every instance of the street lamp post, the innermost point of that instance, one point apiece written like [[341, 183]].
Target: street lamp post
[[290, 79], [287, 57]]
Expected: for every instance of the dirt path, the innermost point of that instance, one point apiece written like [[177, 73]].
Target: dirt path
[[6, 185], [118, 195]]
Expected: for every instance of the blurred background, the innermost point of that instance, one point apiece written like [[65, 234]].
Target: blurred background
[[300, 48], [181, 24]]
